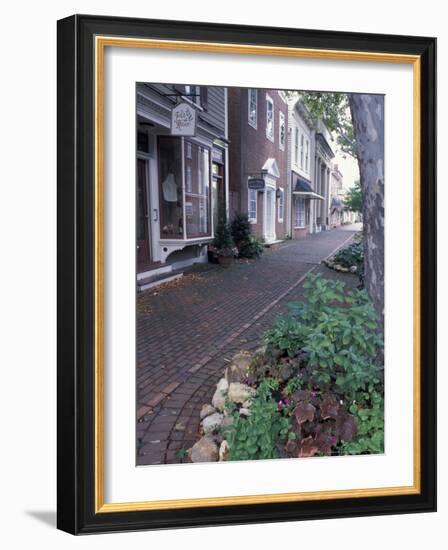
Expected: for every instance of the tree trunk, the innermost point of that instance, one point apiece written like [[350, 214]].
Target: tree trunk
[[368, 125]]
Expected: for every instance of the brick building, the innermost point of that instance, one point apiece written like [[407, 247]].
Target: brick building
[[259, 184]]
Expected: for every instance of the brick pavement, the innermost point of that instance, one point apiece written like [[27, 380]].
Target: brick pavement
[[188, 330]]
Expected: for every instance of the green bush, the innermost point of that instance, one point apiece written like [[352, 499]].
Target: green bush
[[241, 229], [250, 248], [319, 390], [256, 437], [370, 438], [337, 331], [223, 241], [351, 255]]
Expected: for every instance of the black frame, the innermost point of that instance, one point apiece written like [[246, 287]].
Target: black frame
[[75, 430]]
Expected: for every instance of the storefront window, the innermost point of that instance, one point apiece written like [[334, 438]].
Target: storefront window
[[197, 192], [170, 178], [300, 213]]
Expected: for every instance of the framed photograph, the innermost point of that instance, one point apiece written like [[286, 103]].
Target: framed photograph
[[246, 274]]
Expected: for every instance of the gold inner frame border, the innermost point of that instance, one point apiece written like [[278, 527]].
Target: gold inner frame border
[[101, 42]]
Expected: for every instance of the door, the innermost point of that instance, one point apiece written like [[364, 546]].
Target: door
[[270, 214], [218, 194], [143, 230]]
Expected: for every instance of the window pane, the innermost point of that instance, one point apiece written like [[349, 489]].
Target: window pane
[[252, 204], [269, 118], [197, 191], [170, 178], [281, 205], [252, 107], [300, 213]]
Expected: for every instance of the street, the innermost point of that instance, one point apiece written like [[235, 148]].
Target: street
[[188, 330]]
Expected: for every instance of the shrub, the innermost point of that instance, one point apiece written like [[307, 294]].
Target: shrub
[[370, 419], [351, 255], [338, 333], [250, 248], [241, 229], [320, 422], [318, 388], [223, 242], [256, 436]]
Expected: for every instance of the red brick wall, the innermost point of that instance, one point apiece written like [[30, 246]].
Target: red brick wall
[[249, 149], [301, 232]]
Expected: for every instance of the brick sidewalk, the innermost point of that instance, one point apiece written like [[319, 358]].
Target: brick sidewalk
[[188, 330]]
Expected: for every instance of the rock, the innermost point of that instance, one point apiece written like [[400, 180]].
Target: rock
[[222, 385], [344, 269], [218, 400], [223, 451], [217, 438], [245, 412], [237, 371], [206, 410], [204, 450], [238, 393], [247, 404], [179, 427], [212, 422], [219, 397], [353, 269]]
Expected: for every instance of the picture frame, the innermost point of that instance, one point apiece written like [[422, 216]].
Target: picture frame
[[82, 41]]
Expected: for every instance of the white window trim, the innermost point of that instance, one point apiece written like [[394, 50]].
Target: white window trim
[[251, 123], [249, 191], [270, 136], [302, 149], [307, 156], [296, 145], [281, 219], [281, 121]]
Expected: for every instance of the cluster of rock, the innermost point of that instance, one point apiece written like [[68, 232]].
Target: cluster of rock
[[338, 267], [233, 387]]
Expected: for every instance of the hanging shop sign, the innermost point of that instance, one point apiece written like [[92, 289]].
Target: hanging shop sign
[[183, 120], [256, 183]]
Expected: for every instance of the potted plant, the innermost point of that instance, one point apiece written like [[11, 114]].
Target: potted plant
[[223, 245]]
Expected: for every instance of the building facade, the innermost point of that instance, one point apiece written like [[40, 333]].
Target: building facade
[[258, 157], [301, 167], [323, 166], [182, 181], [337, 194]]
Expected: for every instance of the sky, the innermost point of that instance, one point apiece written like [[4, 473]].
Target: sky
[[348, 167]]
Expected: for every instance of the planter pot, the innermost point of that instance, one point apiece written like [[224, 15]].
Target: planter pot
[[226, 261]]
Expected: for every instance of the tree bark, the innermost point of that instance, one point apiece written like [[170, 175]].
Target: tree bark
[[368, 124]]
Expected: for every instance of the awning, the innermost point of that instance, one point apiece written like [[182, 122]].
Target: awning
[[303, 189]]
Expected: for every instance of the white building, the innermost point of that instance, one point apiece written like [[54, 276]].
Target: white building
[[301, 167]]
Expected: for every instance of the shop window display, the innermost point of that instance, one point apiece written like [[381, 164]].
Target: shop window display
[[170, 177], [197, 192]]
